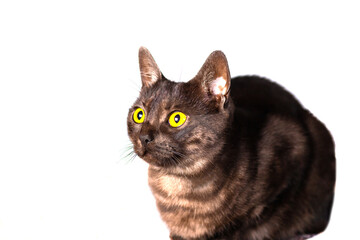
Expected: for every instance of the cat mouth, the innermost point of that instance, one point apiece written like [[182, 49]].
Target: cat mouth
[[160, 155]]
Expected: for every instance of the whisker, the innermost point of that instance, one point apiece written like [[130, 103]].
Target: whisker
[[175, 156], [128, 155], [174, 160]]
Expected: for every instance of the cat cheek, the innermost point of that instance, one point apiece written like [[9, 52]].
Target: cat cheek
[[138, 148], [192, 148]]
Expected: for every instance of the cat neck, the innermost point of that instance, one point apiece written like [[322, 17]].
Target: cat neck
[[178, 181]]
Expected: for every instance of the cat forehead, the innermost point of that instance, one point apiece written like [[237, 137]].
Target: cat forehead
[[165, 96]]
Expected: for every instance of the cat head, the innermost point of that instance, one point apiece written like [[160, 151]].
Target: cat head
[[175, 124]]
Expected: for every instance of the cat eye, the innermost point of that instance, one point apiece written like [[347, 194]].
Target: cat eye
[[139, 115], [177, 119]]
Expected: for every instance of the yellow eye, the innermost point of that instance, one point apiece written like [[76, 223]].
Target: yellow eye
[[177, 119], [139, 115]]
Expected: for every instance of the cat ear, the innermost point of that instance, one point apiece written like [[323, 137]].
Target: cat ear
[[150, 72], [215, 77]]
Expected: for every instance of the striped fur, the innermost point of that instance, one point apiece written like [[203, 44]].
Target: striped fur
[[249, 163]]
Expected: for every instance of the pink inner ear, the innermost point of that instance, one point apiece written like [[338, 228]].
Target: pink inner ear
[[218, 86]]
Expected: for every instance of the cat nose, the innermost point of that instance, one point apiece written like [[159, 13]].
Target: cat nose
[[146, 139]]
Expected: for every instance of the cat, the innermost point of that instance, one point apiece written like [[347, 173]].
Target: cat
[[231, 158]]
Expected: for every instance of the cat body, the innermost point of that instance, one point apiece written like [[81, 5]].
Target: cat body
[[248, 162]]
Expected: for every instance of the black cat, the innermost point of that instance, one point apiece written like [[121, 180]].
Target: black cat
[[242, 162]]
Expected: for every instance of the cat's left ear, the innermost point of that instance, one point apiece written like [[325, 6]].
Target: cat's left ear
[[149, 70], [215, 77]]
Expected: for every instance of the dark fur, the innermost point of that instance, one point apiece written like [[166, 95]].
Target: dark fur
[[248, 164]]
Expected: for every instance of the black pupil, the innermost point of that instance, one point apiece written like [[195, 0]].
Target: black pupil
[[177, 118], [139, 115]]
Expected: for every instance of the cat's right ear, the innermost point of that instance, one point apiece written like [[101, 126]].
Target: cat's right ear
[[150, 72]]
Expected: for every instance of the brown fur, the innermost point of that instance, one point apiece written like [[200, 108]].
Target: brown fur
[[249, 162]]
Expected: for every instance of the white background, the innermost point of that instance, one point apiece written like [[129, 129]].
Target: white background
[[69, 73]]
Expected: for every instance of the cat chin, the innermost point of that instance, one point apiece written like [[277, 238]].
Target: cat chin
[[162, 159]]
